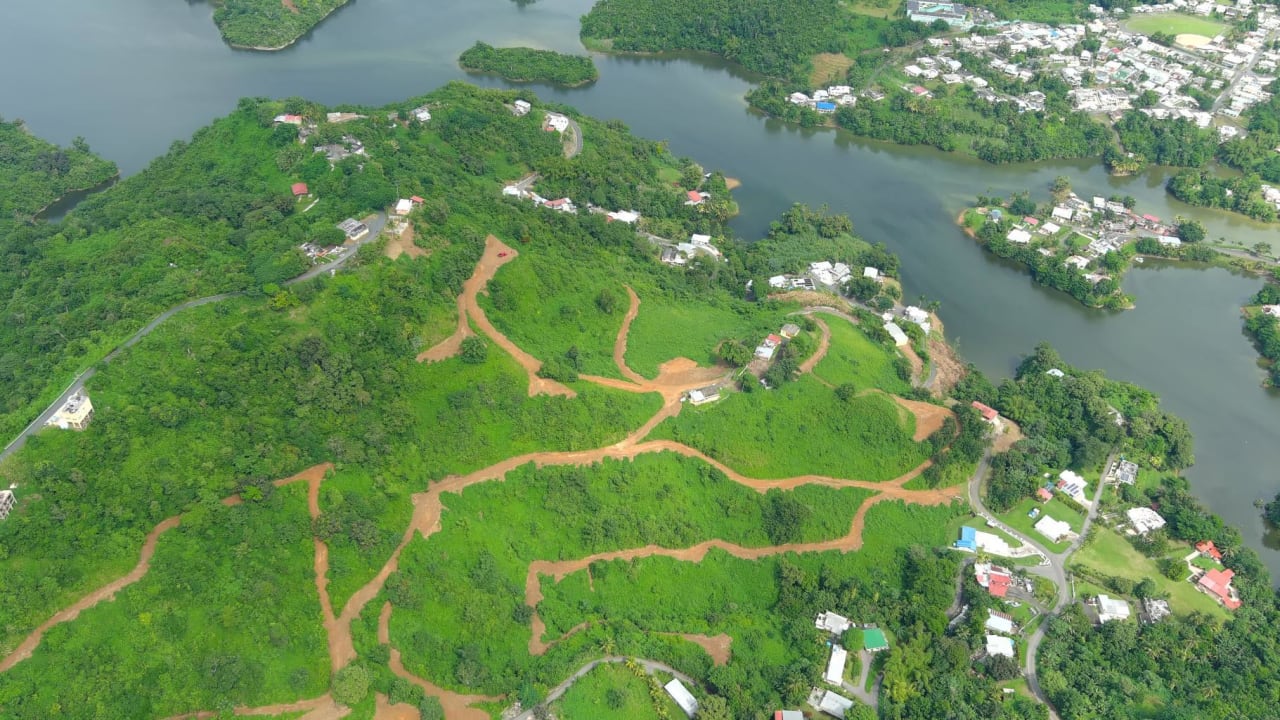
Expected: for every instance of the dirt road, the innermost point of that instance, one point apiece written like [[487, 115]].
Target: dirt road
[[456, 706]]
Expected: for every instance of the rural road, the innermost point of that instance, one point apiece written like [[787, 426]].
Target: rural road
[[577, 139], [375, 229], [650, 666], [1053, 567]]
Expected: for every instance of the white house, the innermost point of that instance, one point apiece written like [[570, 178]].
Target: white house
[[521, 107], [999, 645], [999, 623], [74, 414], [685, 699], [629, 217], [556, 122], [1073, 485], [1050, 228], [422, 114], [1144, 520], [1055, 530], [404, 206], [1062, 213], [834, 705], [899, 337], [870, 272], [835, 665], [1018, 236], [832, 622], [1077, 262], [1112, 609]]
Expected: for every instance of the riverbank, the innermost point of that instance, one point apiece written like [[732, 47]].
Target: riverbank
[[229, 13], [525, 65], [58, 209]]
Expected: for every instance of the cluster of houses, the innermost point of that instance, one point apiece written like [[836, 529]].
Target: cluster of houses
[[826, 701], [317, 253], [825, 274], [681, 253], [769, 346], [1214, 581], [825, 101], [565, 205], [353, 229]]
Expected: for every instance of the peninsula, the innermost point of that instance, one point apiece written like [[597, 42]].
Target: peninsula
[[270, 24], [522, 64]]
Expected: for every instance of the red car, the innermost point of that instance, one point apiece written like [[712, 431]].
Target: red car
[[502, 254]]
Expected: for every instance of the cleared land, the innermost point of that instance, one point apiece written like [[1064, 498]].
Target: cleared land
[[1175, 24]]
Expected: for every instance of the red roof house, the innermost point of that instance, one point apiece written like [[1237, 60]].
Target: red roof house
[[994, 578], [1044, 495], [1030, 221], [1151, 218], [1205, 547], [299, 189], [1218, 584], [695, 197], [416, 199], [988, 413]]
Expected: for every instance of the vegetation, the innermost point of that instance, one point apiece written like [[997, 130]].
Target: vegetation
[[611, 692], [34, 174], [1175, 142], [1265, 330], [1241, 194], [867, 437], [771, 39], [270, 24], [522, 64]]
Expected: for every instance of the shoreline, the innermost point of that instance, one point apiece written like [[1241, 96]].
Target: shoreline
[[91, 190], [525, 81], [291, 43]]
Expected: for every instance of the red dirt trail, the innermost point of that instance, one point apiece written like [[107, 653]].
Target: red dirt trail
[[456, 706]]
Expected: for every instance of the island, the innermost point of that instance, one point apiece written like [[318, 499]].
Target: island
[[522, 64], [405, 411], [270, 24]]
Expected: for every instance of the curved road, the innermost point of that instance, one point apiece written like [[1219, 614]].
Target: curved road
[[651, 666], [1053, 566], [375, 229], [577, 139]]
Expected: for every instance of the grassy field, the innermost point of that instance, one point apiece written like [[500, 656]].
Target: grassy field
[[1110, 554], [1055, 508], [611, 692], [875, 8], [667, 328], [1175, 24], [829, 68], [865, 438], [854, 358]]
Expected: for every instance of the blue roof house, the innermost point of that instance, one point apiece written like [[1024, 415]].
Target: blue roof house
[[824, 107], [968, 539]]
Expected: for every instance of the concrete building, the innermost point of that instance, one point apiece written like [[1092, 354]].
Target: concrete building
[[75, 414], [1144, 520], [835, 665], [832, 623], [7, 501], [685, 699], [1110, 608]]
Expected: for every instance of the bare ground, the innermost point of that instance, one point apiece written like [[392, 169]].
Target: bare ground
[[949, 370], [404, 245], [717, 646]]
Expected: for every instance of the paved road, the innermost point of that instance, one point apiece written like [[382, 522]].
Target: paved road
[[1053, 567], [650, 666], [375, 228], [577, 139], [868, 698]]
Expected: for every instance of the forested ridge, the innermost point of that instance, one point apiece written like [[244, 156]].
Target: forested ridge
[[269, 24], [522, 64]]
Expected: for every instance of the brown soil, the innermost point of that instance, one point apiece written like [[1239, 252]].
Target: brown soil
[[496, 254], [321, 708], [384, 710], [620, 345], [288, 5], [1012, 434], [949, 368], [404, 245], [456, 706], [929, 417], [917, 365], [732, 183], [717, 646], [824, 344]]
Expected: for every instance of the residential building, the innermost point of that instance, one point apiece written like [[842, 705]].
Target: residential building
[[999, 623], [1124, 472], [1055, 530], [685, 699], [354, 229], [834, 705], [870, 272], [341, 117], [990, 414], [75, 413], [423, 114], [1043, 494], [927, 11], [1144, 520], [788, 715], [973, 540], [899, 336], [556, 122], [1206, 547], [521, 108], [7, 501], [789, 330], [999, 645], [630, 217], [994, 578], [288, 120], [1110, 608], [1073, 485], [1217, 583], [768, 347], [299, 189], [832, 622], [835, 665], [695, 198], [704, 395], [1154, 611], [403, 207]]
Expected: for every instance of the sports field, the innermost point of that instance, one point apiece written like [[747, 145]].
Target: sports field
[[1175, 24]]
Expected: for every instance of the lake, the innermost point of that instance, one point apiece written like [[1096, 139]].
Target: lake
[[132, 76]]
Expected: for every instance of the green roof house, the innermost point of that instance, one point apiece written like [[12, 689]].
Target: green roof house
[[873, 640]]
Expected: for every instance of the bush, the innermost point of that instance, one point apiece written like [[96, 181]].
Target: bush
[[475, 350], [351, 685]]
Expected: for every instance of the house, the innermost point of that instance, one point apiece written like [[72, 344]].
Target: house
[[989, 414], [1123, 473], [1154, 611], [1043, 494], [778, 281], [1055, 530], [563, 204], [521, 108], [299, 189], [75, 413], [7, 501], [999, 645], [704, 395], [968, 539], [870, 272], [832, 623], [678, 692], [1144, 520], [512, 191], [765, 349], [994, 578], [789, 330], [873, 640], [1206, 547], [341, 117], [899, 337], [835, 665], [928, 11], [999, 623], [825, 107], [788, 715], [630, 217], [1073, 486], [556, 122], [288, 120], [1272, 310], [422, 114], [1062, 213], [403, 207], [672, 256], [1218, 584], [834, 705], [974, 540], [1110, 608], [695, 198], [1031, 221], [354, 229], [1019, 236], [1050, 228], [1077, 262]]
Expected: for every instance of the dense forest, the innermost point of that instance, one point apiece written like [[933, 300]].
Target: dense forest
[[522, 64], [1166, 142], [270, 24], [774, 39], [1265, 330], [35, 173], [1243, 194]]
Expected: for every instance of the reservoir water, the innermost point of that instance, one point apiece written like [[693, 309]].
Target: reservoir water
[[132, 76]]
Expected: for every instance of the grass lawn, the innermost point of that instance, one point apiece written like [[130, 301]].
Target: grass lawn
[[829, 68], [1111, 554], [854, 358], [666, 328], [866, 438], [875, 8], [1175, 24], [1018, 520], [610, 692]]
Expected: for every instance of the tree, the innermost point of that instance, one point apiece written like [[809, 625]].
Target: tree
[[351, 684], [475, 350], [1061, 187], [1191, 231], [784, 517], [1261, 249], [1272, 511], [714, 707], [430, 709], [1022, 204], [607, 301]]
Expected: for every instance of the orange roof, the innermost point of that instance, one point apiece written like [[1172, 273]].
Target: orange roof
[[1206, 547], [695, 196], [988, 412], [299, 188], [1218, 583]]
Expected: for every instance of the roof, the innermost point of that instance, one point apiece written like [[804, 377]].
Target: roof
[[694, 196], [968, 538], [988, 412], [998, 623], [1207, 547], [1030, 221], [874, 639], [825, 105], [835, 665], [788, 715], [774, 339], [834, 705], [299, 188], [1000, 645], [1218, 583], [1052, 529], [831, 622], [678, 692], [998, 584], [1110, 608]]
